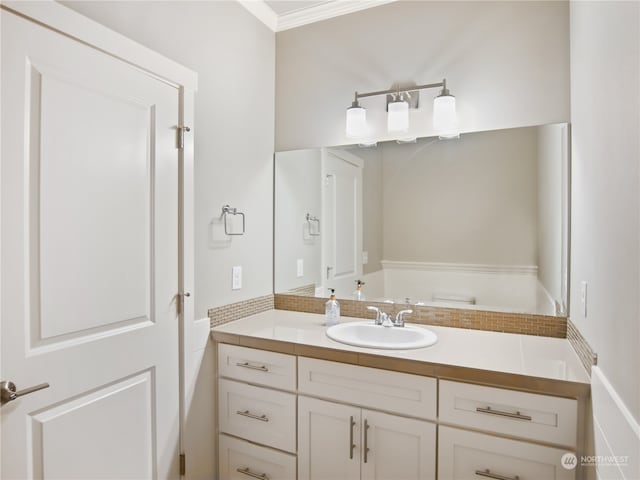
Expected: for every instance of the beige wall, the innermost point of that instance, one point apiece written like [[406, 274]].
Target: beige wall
[[605, 101], [234, 56], [471, 200], [297, 186], [506, 63]]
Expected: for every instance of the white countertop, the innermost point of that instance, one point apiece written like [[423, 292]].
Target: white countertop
[[532, 356]]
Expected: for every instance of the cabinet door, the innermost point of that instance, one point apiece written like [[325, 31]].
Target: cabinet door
[[397, 448], [328, 440]]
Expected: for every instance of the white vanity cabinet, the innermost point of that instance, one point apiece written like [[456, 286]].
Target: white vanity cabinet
[[465, 455], [287, 417], [337, 441], [471, 455], [256, 418], [354, 441]]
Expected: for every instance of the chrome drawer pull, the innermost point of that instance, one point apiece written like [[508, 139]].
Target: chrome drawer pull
[[366, 440], [246, 471], [487, 473], [262, 368], [352, 445], [246, 413], [517, 415]]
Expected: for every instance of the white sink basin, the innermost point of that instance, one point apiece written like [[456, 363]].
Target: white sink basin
[[369, 335]]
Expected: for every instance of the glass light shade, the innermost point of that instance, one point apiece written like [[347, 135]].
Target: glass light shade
[[445, 119], [356, 122], [398, 117]]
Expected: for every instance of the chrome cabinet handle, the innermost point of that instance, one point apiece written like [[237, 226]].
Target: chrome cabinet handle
[[487, 473], [262, 368], [247, 413], [352, 445], [366, 441], [490, 411], [249, 473], [8, 391]]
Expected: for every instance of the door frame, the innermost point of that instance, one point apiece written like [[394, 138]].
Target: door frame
[[324, 263], [65, 21]]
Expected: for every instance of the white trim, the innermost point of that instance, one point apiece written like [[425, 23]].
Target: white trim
[[325, 11], [262, 11], [332, 8], [617, 432], [70, 23], [461, 267]]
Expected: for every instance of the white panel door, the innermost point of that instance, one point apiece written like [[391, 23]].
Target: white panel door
[[342, 209], [328, 440], [89, 261], [396, 448]]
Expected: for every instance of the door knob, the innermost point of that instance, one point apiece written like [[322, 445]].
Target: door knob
[[8, 391]]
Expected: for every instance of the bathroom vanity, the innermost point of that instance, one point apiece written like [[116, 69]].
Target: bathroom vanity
[[293, 403]]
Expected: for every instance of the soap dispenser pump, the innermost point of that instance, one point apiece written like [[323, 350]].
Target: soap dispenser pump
[[332, 309], [358, 294]]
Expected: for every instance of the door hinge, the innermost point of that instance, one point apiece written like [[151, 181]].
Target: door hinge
[[181, 130], [179, 301], [183, 464]]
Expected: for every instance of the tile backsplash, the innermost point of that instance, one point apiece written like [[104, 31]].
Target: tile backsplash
[[527, 324], [234, 311], [582, 348]]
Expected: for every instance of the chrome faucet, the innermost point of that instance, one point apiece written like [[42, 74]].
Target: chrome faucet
[[400, 317], [384, 319]]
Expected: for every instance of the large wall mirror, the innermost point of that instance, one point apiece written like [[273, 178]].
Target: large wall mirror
[[478, 222]]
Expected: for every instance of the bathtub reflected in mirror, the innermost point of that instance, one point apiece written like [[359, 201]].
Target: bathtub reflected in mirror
[[479, 222]]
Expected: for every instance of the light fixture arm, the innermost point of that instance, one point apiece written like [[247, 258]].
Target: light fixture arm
[[396, 91]]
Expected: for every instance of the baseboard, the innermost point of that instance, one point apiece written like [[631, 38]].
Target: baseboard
[[616, 432]]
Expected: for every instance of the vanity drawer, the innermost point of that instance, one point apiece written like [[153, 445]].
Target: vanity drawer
[[411, 395], [276, 370], [240, 460], [527, 415], [262, 415], [475, 456]]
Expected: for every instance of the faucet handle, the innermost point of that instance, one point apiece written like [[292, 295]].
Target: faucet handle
[[400, 317], [379, 313]]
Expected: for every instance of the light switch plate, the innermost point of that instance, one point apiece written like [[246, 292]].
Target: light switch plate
[[300, 268], [365, 258], [236, 278]]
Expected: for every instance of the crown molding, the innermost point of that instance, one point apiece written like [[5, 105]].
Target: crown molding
[[335, 8], [262, 11], [325, 11]]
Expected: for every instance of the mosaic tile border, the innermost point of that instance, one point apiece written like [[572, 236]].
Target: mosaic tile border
[[582, 348], [527, 324], [234, 311]]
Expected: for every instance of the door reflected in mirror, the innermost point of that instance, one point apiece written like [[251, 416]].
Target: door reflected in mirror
[[478, 222]]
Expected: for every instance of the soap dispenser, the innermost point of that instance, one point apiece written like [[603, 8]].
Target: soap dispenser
[[332, 309], [358, 294]]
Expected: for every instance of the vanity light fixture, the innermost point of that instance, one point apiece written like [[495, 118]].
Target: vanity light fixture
[[356, 120], [398, 103]]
